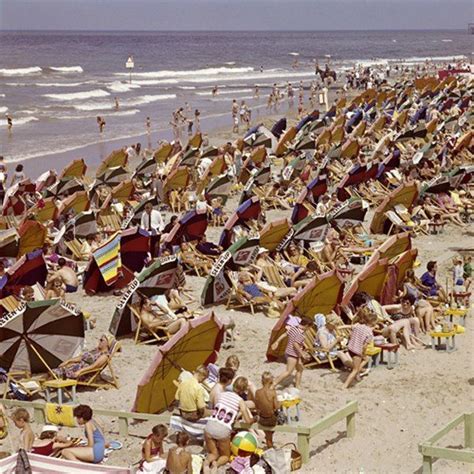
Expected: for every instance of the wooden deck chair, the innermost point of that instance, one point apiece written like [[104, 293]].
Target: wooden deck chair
[[315, 352], [21, 386], [237, 299], [397, 223], [75, 247], [406, 217], [10, 303], [151, 335], [109, 221], [273, 276], [95, 378]]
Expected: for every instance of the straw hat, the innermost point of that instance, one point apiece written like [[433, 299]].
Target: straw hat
[[47, 428]]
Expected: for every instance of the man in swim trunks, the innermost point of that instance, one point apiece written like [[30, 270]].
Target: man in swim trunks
[[67, 275]]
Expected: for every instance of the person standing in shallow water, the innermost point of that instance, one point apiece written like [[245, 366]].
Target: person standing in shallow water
[[9, 122], [100, 123]]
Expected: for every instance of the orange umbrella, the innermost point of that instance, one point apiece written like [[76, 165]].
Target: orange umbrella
[[79, 201], [258, 155], [163, 153], [114, 160], [395, 245], [75, 169], [123, 191], [405, 194], [350, 149], [45, 210], [178, 179], [282, 146], [273, 233], [360, 129], [195, 141], [321, 295], [337, 134], [32, 237]]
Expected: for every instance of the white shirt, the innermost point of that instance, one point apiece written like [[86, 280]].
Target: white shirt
[[203, 165], [153, 221]]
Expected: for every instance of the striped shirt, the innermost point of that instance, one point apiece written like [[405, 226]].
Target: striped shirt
[[360, 336], [295, 336], [227, 408]]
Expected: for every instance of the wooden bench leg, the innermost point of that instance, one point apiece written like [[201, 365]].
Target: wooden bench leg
[[427, 465], [351, 425], [123, 426], [303, 446]]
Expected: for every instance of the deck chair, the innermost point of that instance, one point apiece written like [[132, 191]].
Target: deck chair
[[273, 276], [396, 223], [315, 352], [237, 298], [406, 217], [151, 335], [75, 247], [21, 386], [10, 303], [109, 221], [95, 377]]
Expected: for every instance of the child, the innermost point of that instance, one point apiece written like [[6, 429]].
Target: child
[[361, 335], [21, 419], [266, 404], [218, 217], [226, 376], [153, 456], [294, 351], [179, 461], [49, 441]]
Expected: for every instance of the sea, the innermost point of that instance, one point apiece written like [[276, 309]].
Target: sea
[[55, 84]]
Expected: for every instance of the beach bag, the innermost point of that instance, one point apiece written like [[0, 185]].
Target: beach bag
[[296, 458], [278, 460]]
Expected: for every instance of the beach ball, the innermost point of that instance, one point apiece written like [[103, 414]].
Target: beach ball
[[244, 443]]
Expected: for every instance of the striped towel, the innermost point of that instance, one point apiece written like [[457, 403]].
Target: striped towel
[[195, 429], [107, 257]]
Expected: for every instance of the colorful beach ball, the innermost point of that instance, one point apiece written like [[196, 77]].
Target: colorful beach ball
[[244, 443]]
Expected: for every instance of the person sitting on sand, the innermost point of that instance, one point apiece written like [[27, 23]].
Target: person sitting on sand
[[153, 455], [180, 461], [95, 450], [49, 442], [226, 376], [295, 353], [190, 396], [229, 407], [428, 280], [266, 404], [87, 361], [164, 319], [67, 275], [55, 289]]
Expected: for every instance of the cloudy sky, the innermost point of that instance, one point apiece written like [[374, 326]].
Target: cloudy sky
[[234, 14]]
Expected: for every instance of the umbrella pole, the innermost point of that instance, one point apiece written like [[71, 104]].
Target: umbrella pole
[[44, 362]]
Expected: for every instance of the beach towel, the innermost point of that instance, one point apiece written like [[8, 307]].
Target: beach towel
[[60, 414], [107, 257], [195, 429]]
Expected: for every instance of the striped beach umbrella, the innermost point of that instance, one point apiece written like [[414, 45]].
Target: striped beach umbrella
[[352, 212], [311, 229], [146, 167], [75, 169], [113, 176], [40, 335], [64, 187], [117, 159], [153, 280], [220, 186], [78, 202], [32, 235], [82, 225], [45, 180], [134, 248]]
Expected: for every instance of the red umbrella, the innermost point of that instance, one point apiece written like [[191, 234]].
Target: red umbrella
[[134, 248], [191, 227]]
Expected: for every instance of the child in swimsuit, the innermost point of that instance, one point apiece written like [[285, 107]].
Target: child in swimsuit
[[179, 460]]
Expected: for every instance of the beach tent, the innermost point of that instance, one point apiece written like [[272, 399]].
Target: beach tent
[[195, 344], [192, 226], [321, 295], [153, 280], [39, 335], [40, 464]]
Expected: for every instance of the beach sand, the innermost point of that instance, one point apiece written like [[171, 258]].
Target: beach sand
[[398, 408]]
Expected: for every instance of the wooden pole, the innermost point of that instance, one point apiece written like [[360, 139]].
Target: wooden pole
[[44, 362], [469, 430]]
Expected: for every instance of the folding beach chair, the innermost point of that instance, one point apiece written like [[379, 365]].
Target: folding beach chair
[[20, 386], [144, 334], [315, 352]]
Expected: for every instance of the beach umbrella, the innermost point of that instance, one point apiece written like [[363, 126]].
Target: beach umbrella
[[279, 127], [195, 141], [324, 137], [134, 248], [190, 157], [113, 176], [356, 175], [394, 246], [370, 280], [351, 212], [163, 153], [317, 187], [217, 167], [217, 287], [197, 343], [262, 176], [9, 243], [274, 233], [192, 226], [439, 184], [75, 169], [464, 141], [209, 152], [146, 167], [117, 159], [40, 335], [248, 210], [294, 168], [122, 193], [299, 211], [13, 203], [258, 155], [321, 295], [44, 210], [405, 194], [350, 149], [32, 236], [359, 131], [403, 262], [78, 202], [219, 186], [354, 121], [153, 280], [45, 180], [27, 271], [178, 179], [311, 229], [64, 187], [285, 139], [243, 252], [82, 225]]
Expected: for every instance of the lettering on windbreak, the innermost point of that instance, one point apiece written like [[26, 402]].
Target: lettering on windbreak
[[220, 263], [130, 290], [9, 316], [285, 240], [126, 222], [72, 308]]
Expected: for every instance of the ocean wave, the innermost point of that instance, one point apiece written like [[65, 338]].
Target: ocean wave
[[121, 113], [255, 76], [118, 86], [196, 72], [20, 71], [422, 59], [155, 82], [2, 95], [227, 91], [230, 63], [3, 110], [78, 95], [140, 100], [293, 54], [187, 88], [67, 69], [228, 99], [447, 40], [57, 84]]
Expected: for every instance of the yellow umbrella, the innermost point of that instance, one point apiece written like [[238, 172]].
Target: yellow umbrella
[[79, 202], [395, 245], [259, 155], [195, 141], [360, 129], [163, 153], [324, 137], [400, 118], [404, 262], [195, 344], [431, 125], [217, 167], [32, 237], [45, 211], [115, 159], [282, 146], [350, 148], [273, 233], [405, 194], [123, 191], [381, 98], [75, 169], [463, 142], [177, 179], [341, 103], [379, 124], [337, 134]]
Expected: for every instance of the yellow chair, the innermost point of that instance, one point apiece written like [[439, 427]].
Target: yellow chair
[[374, 355]]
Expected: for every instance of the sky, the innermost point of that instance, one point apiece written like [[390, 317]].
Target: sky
[[208, 15]]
